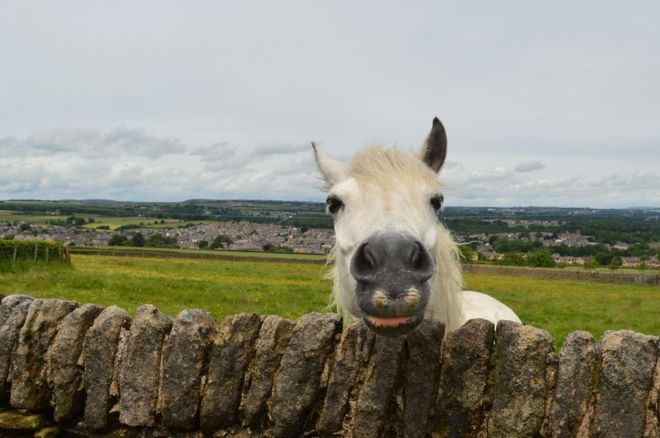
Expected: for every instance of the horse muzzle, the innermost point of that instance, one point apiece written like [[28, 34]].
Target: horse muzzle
[[392, 273]]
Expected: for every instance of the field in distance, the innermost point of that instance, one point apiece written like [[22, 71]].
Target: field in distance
[[112, 222], [293, 289]]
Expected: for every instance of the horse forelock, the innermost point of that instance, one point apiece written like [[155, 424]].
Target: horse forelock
[[390, 167]]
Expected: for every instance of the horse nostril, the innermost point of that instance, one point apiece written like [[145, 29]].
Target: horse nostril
[[421, 263], [363, 265]]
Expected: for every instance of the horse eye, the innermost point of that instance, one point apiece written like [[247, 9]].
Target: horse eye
[[333, 204], [436, 202]]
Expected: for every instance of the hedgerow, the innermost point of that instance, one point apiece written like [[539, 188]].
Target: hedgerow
[[36, 250]]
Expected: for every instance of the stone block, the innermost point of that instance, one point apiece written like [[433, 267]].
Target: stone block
[[29, 389], [13, 310], [520, 388], [274, 336], [466, 356], [99, 353], [297, 381], [63, 369], [626, 377], [183, 365], [140, 367], [578, 364]]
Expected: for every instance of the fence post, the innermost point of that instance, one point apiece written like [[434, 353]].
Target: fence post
[[36, 249], [15, 254], [46, 254]]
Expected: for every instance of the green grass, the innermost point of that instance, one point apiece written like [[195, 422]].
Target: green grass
[[236, 254], [220, 288], [293, 289], [561, 306]]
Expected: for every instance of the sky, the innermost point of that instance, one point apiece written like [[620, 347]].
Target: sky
[[548, 103]]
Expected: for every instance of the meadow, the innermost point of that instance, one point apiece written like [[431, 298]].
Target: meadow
[[292, 289], [112, 222]]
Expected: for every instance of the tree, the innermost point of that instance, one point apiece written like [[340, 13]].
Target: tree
[[541, 259], [591, 263], [512, 259], [159, 241], [467, 252], [202, 244], [117, 240], [137, 240], [604, 258], [221, 241], [615, 263]]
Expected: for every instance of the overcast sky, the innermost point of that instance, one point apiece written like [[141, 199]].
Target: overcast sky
[[545, 102]]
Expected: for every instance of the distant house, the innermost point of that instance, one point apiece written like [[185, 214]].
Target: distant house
[[491, 255], [568, 260], [653, 262], [630, 262]]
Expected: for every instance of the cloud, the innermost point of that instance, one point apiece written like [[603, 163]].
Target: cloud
[[500, 187], [280, 149], [132, 164], [92, 144], [216, 152], [529, 166]]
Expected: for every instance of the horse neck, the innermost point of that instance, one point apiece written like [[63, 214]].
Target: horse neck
[[445, 302]]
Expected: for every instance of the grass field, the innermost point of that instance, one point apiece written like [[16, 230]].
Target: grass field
[[111, 221], [216, 252], [291, 289]]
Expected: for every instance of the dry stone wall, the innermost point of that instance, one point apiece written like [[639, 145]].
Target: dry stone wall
[[83, 371]]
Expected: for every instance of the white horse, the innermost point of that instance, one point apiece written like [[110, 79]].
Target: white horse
[[395, 263]]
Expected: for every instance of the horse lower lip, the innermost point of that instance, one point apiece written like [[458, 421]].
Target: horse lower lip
[[391, 322]]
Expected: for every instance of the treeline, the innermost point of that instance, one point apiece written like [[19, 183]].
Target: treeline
[[466, 227], [309, 222], [632, 230], [138, 240]]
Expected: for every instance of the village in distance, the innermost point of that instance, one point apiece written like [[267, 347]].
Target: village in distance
[[520, 236]]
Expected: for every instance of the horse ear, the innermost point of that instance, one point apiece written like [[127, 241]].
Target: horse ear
[[434, 151], [333, 171]]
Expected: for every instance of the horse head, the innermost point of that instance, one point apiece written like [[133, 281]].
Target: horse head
[[385, 205]]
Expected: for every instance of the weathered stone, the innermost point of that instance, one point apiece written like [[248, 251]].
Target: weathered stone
[[184, 359], [29, 389], [297, 381], [48, 432], [63, 371], [342, 380], [99, 351], [652, 427], [139, 370], [20, 420], [274, 336], [13, 310], [578, 361], [380, 375], [520, 388], [424, 348], [231, 352], [626, 376], [466, 358]]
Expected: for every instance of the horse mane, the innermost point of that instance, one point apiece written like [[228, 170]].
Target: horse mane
[[392, 167]]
